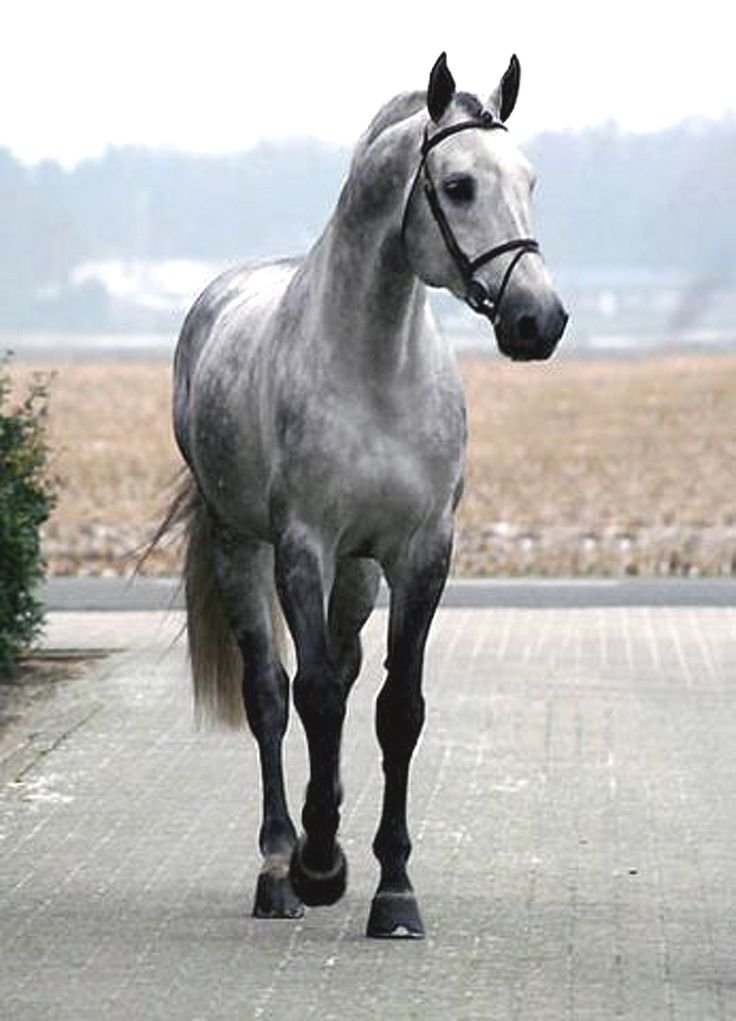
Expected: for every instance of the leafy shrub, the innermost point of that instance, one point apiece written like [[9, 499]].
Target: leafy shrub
[[26, 500]]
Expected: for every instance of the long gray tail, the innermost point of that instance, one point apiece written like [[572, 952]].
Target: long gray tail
[[215, 659]]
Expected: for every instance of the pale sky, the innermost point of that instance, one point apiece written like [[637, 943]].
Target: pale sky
[[219, 75]]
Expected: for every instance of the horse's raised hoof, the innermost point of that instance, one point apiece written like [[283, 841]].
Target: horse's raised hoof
[[318, 888], [275, 897], [395, 916]]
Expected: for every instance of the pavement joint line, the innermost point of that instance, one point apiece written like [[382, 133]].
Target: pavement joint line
[[48, 723], [49, 748]]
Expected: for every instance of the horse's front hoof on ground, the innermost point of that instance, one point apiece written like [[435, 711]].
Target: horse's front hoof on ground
[[317, 888], [275, 897], [395, 916]]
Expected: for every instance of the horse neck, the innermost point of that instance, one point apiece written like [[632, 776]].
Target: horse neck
[[373, 305]]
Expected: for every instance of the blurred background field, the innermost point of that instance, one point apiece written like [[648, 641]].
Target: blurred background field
[[122, 195], [576, 466]]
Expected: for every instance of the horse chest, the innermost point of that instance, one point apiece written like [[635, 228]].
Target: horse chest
[[362, 476], [394, 489], [389, 478]]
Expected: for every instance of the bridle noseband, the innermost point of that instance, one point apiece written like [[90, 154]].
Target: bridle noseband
[[476, 293]]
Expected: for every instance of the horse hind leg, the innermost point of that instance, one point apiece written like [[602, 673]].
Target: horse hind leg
[[244, 572]]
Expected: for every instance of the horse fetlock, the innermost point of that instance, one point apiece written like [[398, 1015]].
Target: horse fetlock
[[277, 837], [392, 848], [389, 842], [321, 822], [318, 885], [275, 896]]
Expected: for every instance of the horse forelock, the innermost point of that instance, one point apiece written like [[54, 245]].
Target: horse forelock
[[468, 103]]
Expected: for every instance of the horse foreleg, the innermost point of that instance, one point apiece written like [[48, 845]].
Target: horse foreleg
[[415, 593], [352, 599], [318, 865]]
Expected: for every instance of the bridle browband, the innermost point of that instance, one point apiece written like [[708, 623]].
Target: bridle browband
[[476, 293]]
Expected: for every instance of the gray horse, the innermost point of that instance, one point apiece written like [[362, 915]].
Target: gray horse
[[322, 419]]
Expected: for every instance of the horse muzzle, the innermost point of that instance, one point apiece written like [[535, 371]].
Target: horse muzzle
[[531, 335]]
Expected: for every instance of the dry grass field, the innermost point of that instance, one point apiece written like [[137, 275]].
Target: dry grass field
[[601, 467], [576, 467]]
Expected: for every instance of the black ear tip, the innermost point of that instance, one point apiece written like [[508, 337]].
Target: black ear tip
[[439, 68], [441, 87], [510, 87]]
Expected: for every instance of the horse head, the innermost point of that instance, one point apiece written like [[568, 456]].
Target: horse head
[[467, 218]]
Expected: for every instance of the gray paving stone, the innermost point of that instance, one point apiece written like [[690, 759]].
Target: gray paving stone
[[572, 812]]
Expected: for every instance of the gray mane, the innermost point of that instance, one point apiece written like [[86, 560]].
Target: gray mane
[[404, 105], [395, 110]]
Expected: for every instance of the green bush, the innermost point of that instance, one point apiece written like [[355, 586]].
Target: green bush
[[26, 500]]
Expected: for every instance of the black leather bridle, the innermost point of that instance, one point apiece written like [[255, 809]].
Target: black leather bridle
[[476, 294]]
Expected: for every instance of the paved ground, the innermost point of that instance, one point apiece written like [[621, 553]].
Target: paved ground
[[572, 811], [166, 593]]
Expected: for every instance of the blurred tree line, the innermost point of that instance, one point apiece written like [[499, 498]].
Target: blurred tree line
[[607, 199], [660, 201]]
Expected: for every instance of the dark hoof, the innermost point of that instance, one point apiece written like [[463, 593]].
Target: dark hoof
[[275, 897], [395, 916], [318, 888]]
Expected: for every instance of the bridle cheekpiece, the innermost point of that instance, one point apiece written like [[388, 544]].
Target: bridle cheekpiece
[[477, 295]]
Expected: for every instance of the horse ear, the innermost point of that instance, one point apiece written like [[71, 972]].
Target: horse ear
[[441, 88], [503, 100]]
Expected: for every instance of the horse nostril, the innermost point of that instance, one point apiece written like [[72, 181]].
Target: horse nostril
[[527, 327]]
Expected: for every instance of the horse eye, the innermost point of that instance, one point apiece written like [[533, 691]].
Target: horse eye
[[459, 189]]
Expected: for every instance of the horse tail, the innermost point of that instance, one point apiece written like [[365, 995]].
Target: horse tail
[[215, 660]]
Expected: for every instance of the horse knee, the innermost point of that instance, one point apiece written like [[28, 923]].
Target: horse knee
[[319, 698], [347, 655], [400, 716]]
